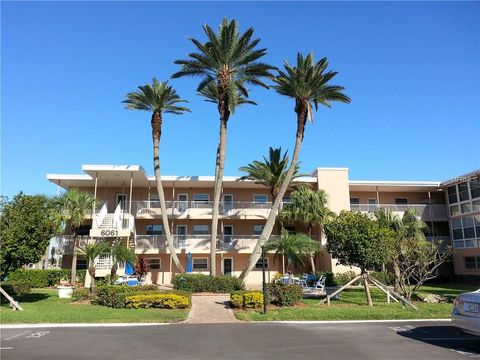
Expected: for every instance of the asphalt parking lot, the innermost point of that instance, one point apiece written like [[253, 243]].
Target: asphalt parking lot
[[406, 340]]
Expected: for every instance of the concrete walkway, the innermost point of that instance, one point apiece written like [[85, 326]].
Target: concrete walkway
[[210, 309]]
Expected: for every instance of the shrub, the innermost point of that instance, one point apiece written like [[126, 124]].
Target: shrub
[[207, 283], [343, 278], [383, 276], [285, 294], [14, 288], [246, 299], [330, 281], [114, 295], [163, 300], [81, 293], [44, 278]]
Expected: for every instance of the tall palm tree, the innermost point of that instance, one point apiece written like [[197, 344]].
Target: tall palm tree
[[308, 207], [120, 253], [293, 247], [226, 63], [158, 98], [74, 207], [271, 172], [308, 84], [91, 251]]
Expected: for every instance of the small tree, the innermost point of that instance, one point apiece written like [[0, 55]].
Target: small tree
[[141, 267], [91, 251], [355, 239], [27, 223], [120, 253]]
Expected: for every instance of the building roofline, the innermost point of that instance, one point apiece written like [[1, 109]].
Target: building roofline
[[475, 174], [394, 183]]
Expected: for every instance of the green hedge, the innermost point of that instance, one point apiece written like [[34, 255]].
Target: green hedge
[[81, 293], [330, 281], [44, 278], [384, 277], [247, 299], [114, 295], [14, 288], [207, 283], [285, 294], [162, 300]]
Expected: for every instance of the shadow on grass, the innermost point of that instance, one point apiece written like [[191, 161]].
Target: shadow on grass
[[27, 298], [448, 337]]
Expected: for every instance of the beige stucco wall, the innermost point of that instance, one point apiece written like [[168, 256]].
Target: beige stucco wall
[[387, 197], [459, 261]]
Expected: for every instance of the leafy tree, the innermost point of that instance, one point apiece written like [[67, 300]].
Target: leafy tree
[[293, 248], [91, 251], [75, 206], [141, 267], [120, 253], [354, 239], [308, 207], [308, 83], [158, 98], [226, 63], [271, 172], [27, 223]]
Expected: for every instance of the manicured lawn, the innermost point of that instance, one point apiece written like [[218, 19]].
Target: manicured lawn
[[352, 306], [44, 306]]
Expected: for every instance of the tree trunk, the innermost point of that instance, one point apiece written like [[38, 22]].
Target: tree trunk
[[73, 275], [396, 273], [312, 256], [113, 272], [301, 110], [91, 272], [367, 290], [156, 134], [219, 166]]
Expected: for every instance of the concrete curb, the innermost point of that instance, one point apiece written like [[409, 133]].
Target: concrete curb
[[75, 325], [350, 321]]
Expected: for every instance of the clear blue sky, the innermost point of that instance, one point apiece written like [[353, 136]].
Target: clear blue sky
[[412, 70]]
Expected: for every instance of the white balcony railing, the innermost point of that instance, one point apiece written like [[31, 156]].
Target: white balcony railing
[[425, 211]]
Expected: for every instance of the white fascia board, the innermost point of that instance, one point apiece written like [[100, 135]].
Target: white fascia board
[[394, 183], [80, 177]]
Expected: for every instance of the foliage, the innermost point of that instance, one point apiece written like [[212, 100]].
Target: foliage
[[343, 278], [165, 301], [285, 294], [14, 288], [295, 247], [120, 253], [385, 277], [114, 295], [81, 293], [271, 172], [246, 299], [141, 267], [27, 223], [44, 278], [330, 277], [354, 239], [91, 251], [207, 283]]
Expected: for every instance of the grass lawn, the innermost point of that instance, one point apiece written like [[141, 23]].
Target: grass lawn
[[353, 306], [44, 306]]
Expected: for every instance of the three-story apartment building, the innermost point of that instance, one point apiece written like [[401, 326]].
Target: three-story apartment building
[[127, 208]]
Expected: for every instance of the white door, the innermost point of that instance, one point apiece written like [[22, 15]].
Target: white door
[[227, 266], [181, 236], [227, 202], [182, 202]]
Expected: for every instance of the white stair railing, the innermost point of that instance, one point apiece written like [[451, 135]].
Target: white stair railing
[[100, 216], [117, 217]]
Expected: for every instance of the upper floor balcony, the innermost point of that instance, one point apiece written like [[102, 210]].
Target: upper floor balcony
[[427, 212], [154, 244], [200, 209]]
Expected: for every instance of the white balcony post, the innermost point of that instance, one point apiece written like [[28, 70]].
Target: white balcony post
[[95, 195], [378, 196], [130, 196]]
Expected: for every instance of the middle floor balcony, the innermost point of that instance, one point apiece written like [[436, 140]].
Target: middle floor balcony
[[196, 244]]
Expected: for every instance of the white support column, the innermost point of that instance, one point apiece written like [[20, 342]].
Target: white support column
[[130, 195], [378, 195], [95, 196]]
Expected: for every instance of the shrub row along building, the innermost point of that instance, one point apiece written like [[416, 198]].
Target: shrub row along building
[[127, 208]]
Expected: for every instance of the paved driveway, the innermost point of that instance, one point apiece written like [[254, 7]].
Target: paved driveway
[[243, 341]]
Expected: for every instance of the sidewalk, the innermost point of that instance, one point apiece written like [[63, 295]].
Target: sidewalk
[[210, 309]]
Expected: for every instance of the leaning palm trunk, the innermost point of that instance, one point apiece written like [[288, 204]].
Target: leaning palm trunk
[[156, 133], [267, 230]]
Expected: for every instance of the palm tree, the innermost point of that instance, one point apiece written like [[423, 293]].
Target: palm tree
[[120, 253], [75, 205], [226, 63], [91, 251], [293, 247], [271, 172], [158, 98], [308, 207], [308, 84]]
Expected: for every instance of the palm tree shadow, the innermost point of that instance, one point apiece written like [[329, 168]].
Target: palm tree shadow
[[448, 337]]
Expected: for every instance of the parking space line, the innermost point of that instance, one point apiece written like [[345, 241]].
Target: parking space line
[[16, 335]]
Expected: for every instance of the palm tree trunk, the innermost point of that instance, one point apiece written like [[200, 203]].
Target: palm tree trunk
[[73, 275], [91, 272], [267, 230], [156, 133], [312, 256]]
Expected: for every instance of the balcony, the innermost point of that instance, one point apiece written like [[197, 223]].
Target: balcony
[[63, 245], [154, 244], [201, 209], [427, 212]]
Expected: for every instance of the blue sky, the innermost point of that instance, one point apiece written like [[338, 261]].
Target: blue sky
[[411, 69]]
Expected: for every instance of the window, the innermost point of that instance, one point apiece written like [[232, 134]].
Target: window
[[154, 229], [472, 262], [154, 264], [84, 230], [354, 203], [454, 210], [258, 265], [468, 229], [476, 205], [463, 191], [200, 197], [200, 263], [200, 230], [452, 194], [82, 264], [465, 208], [260, 198], [475, 189], [401, 201], [257, 229], [372, 205], [286, 199], [457, 229]]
